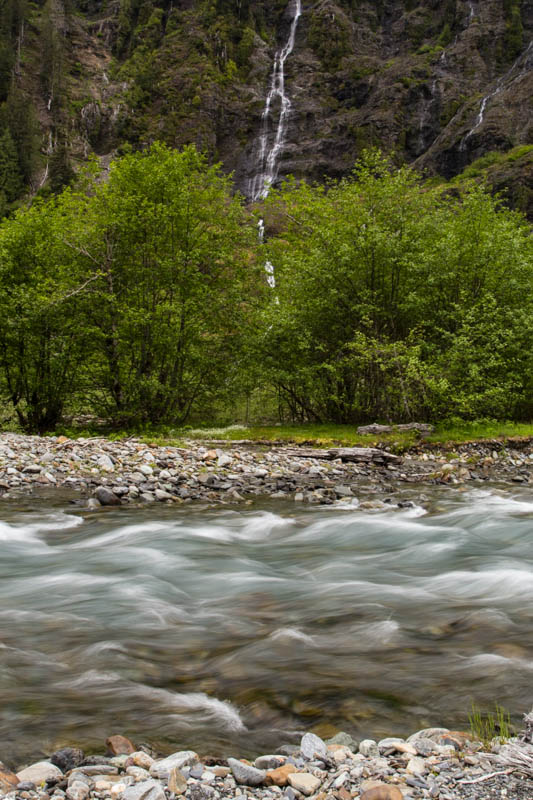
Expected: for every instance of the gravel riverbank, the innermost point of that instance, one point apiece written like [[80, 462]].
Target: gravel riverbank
[[108, 472], [432, 763]]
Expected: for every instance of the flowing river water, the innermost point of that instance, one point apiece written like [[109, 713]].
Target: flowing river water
[[226, 629]]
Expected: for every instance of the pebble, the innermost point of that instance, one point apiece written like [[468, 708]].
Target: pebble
[[79, 790], [145, 790], [67, 758], [269, 762], [310, 770], [183, 758], [119, 745], [141, 759], [39, 773], [382, 792], [122, 472], [304, 782], [177, 782], [313, 746], [8, 780], [368, 747], [280, 776], [416, 766], [245, 773]]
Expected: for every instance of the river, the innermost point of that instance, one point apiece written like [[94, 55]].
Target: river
[[227, 629]]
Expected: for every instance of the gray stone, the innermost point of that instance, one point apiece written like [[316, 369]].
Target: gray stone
[[78, 790], [145, 790], [196, 771], [246, 774], [183, 758], [341, 779], [161, 495], [39, 773], [344, 739], [67, 758], [368, 747], [269, 762], [110, 765], [139, 773], [425, 747], [224, 460], [313, 746], [146, 470], [428, 733], [198, 791], [105, 463], [106, 497], [389, 744], [343, 491], [26, 786]]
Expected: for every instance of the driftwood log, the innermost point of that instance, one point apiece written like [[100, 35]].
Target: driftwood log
[[365, 455], [376, 430]]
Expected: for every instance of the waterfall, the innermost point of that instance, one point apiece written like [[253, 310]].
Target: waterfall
[[268, 154], [269, 267], [499, 86]]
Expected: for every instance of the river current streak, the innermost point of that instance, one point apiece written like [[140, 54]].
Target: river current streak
[[226, 629]]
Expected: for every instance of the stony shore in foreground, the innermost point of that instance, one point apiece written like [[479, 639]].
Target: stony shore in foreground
[[108, 473], [432, 763]]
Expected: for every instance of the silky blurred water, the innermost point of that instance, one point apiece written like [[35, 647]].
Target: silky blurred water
[[227, 629]]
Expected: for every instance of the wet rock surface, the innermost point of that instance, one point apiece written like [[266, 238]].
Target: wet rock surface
[[324, 770], [113, 473]]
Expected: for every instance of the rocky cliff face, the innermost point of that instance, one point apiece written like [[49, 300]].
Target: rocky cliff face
[[441, 83]]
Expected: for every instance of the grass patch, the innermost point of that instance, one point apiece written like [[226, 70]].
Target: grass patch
[[490, 726], [459, 431], [316, 435]]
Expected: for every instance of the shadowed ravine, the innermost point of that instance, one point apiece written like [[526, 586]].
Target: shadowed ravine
[[218, 629]]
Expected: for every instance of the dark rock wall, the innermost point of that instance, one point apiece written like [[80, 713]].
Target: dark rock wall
[[407, 75]]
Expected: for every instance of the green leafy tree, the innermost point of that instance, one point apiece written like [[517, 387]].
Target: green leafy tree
[[395, 302], [174, 253], [42, 338]]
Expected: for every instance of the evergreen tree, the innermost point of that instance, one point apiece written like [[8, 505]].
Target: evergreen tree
[[60, 170], [11, 183]]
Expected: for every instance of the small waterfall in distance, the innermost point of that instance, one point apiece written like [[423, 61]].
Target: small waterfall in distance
[[499, 86], [268, 157], [268, 154]]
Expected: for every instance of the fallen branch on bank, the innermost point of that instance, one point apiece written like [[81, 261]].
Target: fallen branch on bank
[[517, 756], [489, 776], [364, 455]]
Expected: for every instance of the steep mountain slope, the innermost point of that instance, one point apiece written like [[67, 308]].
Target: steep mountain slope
[[439, 82]]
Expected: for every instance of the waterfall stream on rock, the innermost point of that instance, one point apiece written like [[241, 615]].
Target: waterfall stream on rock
[[268, 151], [268, 158], [499, 86]]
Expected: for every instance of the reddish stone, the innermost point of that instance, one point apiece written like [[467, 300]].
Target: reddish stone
[[280, 776], [8, 780], [119, 746], [383, 792]]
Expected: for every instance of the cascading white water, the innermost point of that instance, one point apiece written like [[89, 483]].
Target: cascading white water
[[268, 151], [269, 267], [499, 86]]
